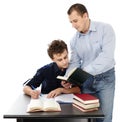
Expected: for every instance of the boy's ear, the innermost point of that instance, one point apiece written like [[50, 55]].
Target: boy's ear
[[53, 59]]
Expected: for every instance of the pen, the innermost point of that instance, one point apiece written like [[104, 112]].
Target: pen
[[34, 89], [26, 82]]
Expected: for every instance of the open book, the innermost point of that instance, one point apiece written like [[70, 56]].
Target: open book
[[62, 98], [41, 104], [76, 76]]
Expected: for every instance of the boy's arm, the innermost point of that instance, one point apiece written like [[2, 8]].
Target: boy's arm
[[29, 91], [75, 89], [62, 90]]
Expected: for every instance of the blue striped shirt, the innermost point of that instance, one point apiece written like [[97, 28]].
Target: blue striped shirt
[[93, 51]]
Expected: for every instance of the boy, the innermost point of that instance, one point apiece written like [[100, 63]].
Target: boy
[[46, 75]]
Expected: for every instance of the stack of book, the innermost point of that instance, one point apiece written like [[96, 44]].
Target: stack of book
[[85, 102]]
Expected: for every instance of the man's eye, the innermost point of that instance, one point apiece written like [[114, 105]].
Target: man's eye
[[75, 21]]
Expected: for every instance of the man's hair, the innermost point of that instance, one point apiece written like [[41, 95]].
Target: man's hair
[[56, 47], [80, 8]]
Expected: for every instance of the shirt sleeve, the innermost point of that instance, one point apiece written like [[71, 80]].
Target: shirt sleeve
[[75, 60], [37, 79], [105, 59]]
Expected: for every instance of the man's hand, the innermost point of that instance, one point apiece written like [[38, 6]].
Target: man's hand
[[35, 94], [55, 93], [65, 84]]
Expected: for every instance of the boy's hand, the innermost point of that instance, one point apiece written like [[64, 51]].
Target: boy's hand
[[35, 94], [55, 93]]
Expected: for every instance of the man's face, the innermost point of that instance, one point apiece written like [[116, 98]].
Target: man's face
[[61, 59], [77, 21]]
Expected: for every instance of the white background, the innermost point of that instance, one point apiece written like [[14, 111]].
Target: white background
[[26, 29]]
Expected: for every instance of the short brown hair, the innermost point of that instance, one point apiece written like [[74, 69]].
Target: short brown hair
[[56, 46], [80, 8]]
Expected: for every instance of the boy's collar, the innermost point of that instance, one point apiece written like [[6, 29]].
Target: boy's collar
[[57, 69]]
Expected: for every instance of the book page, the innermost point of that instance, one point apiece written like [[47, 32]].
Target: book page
[[64, 98], [63, 78], [71, 71], [43, 104], [51, 105], [35, 105]]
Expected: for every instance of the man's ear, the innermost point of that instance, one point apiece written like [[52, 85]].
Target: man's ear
[[85, 15]]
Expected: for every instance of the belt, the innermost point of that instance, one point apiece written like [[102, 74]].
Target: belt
[[102, 75]]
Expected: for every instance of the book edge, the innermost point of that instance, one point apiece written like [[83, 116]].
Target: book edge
[[84, 110], [86, 106]]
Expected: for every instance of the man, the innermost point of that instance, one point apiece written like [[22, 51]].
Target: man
[[92, 49], [46, 75]]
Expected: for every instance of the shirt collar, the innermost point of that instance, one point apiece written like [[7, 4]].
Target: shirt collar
[[92, 26], [91, 29], [56, 68]]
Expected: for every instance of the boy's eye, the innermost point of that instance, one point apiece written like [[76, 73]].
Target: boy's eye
[[59, 60]]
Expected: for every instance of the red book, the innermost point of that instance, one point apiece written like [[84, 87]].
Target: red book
[[86, 98], [84, 110]]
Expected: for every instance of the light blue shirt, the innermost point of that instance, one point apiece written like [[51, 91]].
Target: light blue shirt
[[93, 51]]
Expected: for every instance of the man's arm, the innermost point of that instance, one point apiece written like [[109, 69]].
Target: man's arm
[[75, 89], [104, 61]]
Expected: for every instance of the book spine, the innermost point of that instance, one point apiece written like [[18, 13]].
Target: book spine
[[86, 106], [86, 102], [84, 110]]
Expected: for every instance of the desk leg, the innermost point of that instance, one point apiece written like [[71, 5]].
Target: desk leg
[[52, 120], [19, 120], [91, 120]]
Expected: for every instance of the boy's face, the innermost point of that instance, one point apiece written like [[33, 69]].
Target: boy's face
[[61, 59]]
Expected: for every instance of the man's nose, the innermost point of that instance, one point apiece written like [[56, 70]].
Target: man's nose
[[73, 25]]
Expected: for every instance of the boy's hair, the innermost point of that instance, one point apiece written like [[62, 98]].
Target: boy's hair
[[80, 8], [56, 47]]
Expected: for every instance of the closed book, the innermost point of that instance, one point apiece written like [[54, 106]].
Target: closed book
[[84, 110], [86, 106], [86, 98], [76, 76]]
